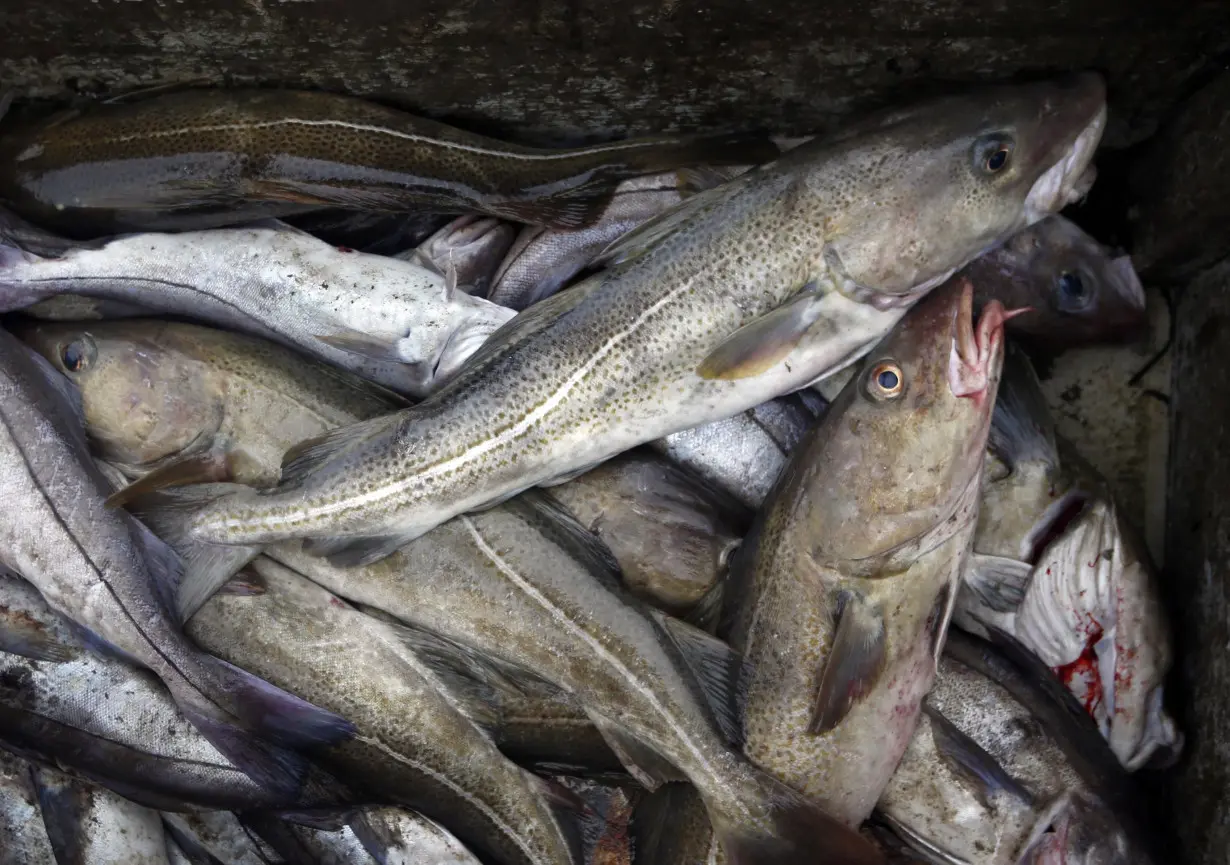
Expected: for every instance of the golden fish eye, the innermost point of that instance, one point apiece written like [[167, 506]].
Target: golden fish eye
[[886, 381]]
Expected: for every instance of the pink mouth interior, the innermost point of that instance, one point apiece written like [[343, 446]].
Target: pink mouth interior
[[974, 346]]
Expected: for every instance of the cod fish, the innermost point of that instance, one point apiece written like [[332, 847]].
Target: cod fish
[[23, 836], [102, 718], [1078, 290], [204, 157], [525, 587], [217, 834], [395, 322], [1000, 772], [542, 261], [91, 825], [744, 454], [467, 251], [671, 537], [845, 589], [291, 842], [744, 292], [395, 836], [175, 401], [113, 578], [1058, 567], [417, 741]]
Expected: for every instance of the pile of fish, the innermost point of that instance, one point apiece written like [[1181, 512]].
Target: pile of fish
[[380, 492]]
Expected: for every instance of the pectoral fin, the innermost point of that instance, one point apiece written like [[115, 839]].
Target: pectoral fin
[[855, 662], [643, 763], [970, 761], [765, 342], [373, 346], [998, 582], [203, 468]]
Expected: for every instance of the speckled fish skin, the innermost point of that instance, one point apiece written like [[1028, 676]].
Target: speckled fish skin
[[396, 322], [216, 833], [215, 156], [90, 825], [104, 718], [542, 262], [23, 838], [845, 589], [992, 803], [415, 741], [110, 575], [1080, 291], [511, 583], [880, 216], [744, 454], [671, 537], [1058, 567], [396, 836], [157, 391]]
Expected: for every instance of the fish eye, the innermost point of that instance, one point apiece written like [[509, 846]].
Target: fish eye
[[1071, 291], [993, 154], [78, 354], [886, 381]]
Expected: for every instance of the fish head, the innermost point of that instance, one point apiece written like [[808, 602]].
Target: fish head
[[1079, 291], [1080, 830], [921, 192], [903, 445], [468, 251], [144, 400]]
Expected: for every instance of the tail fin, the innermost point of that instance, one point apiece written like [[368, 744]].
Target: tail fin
[[206, 567], [792, 831]]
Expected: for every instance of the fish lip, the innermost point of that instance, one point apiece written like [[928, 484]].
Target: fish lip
[[976, 347], [1082, 106]]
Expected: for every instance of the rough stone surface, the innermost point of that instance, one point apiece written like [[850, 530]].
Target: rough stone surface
[[1198, 565], [546, 69], [1183, 218]]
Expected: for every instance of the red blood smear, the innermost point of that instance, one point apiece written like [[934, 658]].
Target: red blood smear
[[1084, 670]]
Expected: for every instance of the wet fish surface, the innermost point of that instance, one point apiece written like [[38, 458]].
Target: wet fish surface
[[417, 742], [1079, 291], [110, 575], [523, 584], [91, 825], [700, 314], [23, 837], [203, 157], [395, 322], [1057, 566], [105, 719], [988, 778], [843, 592]]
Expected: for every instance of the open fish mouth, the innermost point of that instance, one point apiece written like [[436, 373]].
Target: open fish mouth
[[975, 347], [1068, 180]]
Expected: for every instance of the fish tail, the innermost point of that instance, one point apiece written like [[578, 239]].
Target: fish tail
[[775, 825], [205, 567], [256, 725]]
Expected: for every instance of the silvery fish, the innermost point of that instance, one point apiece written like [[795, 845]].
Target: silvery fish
[[217, 834], [744, 292], [1078, 290], [23, 837], [1057, 566], [91, 825], [304, 845], [525, 587], [843, 591], [542, 261], [744, 454], [1001, 772], [105, 719], [467, 251], [111, 576], [396, 836], [395, 322], [417, 741], [671, 537], [177, 402]]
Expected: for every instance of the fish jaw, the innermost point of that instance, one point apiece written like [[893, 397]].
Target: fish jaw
[[1068, 180], [976, 351]]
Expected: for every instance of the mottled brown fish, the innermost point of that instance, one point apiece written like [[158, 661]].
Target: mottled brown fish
[[844, 595], [744, 292], [201, 158]]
